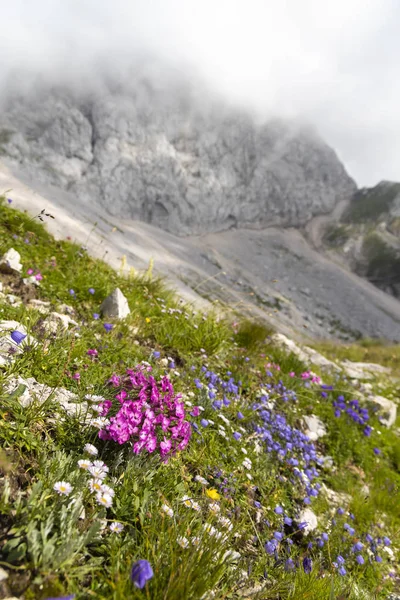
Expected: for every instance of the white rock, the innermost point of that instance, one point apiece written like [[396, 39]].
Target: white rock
[[6, 327], [337, 498], [65, 309], [314, 427], [3, 574], [359, 370], [308, 516], [39, 305], [56, 321], [31, 280], [305, 353], [10, 262], [388, 407], [115, 305], [14, 300]]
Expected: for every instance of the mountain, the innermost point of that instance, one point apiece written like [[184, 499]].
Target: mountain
[[173, 157]]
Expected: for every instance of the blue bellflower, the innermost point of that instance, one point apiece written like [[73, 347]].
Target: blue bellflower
[[141, 573]]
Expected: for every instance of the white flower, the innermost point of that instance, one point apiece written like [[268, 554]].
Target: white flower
[[97, 408], [99, 422], [90, 449], [101, 465], [190, 503], [164, 361], [95, 485], [222, 427], [214, 507], [244, 450], [116, 527], [389, 551], [104, 499], [195, 541], [94, 398], [182, 541], [225, 420], [168, 511], [106, 489], [201, 480], [84, 463], [97, 472], [249, 476], [63, 488], [225, 522], [222, 433]]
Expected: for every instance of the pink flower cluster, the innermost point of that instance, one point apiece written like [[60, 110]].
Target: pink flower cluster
[[150, 415]]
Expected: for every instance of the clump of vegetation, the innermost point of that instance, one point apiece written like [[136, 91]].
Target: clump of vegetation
[[383, 263], [178, 467], [370, 204], [336, 235]]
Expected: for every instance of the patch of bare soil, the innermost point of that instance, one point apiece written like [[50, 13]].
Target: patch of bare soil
[[13, 284]]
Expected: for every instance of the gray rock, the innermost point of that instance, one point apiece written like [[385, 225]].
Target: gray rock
[[359, 370], [314, 427], [388, 407], [10, 262], [115, 305], [56, 322], [164, 154], [308, 516]]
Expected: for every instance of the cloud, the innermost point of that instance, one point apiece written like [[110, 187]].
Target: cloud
[[334, 63]]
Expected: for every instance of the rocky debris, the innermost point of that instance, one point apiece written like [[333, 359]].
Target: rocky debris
[[173, 156], [8, 348], [10, 262], [336, 498], [3, 574], [308, 516], [304, 353], [56, 322], [388, 407], [314, 427], [40, 305], [359, 370], [115, 305], [32, 391], [65, 309], [31, 281]]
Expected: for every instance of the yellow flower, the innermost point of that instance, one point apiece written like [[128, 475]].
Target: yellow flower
[[213, 494], [148, 319]]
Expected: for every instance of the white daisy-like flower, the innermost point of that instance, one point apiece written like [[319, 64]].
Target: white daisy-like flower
[[222, 433], [195, 541], [104, 499], [201, 480], [187, 501], [106, 489], [249, 476], [225, 522], [94, 398], [97, 408], [182, 541], [90, 449], [84, 463], [222, 427], [97, 472], [116, 527], [101, 464], [99, 422], [225, 420], [63, 488], [208, 528], [244, 450], [168, 510], [214, 507], [95, 485]]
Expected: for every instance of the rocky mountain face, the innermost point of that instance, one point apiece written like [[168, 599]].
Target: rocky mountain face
[[367, 236], [172, 157]]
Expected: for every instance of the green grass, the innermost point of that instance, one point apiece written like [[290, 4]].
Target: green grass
[[369, 205], [54, 546], [366, 350]]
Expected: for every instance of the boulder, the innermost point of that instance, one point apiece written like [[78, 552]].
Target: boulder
[[387, 407], [314, 427], [308, 516]]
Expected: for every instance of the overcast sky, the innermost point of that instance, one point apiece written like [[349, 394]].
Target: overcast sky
[[334, 62]]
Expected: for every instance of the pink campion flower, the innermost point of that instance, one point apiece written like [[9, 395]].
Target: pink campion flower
[[121, 396], [195, 411], [115, 380], [316, 379], [106, 405], [292, 374], [76, 376], [38, 277], [92, 352], [30, 271], [305, 375]]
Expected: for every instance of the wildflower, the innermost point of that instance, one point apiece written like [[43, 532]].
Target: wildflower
[[156, 354], [278, 510], [213, 494], [195, 541], [225, 522], [240, 415], [237, 435], [214, 507], [278, 535], [17, 336], [182, 541], [63, 488], [289, 565], [95, 485], [84, 463], [307, 565], [342, 571], [92, 352], [377, 451], [90, 449], [270, 547], [106, 489], [99, 422], [70, 597], [141, 573], [201, 480], [9, 200], [288, 521], [91, 291], [168, 511], [76, 376], [148, 320], [358, 547], [72, 292], [116, 527], [387, 541], [104, 498], [360, 559], [96, 316], [204, 422], [108, 327], [97, 472]]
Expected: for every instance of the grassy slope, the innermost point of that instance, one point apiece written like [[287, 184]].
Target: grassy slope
[[50, 551]]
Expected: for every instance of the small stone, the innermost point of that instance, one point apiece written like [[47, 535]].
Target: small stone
[[65, 309], [3, 574], [308, 516], [314, 427], [56, 321], [13, 300], [10, 262], [31, 280], [39, 305], [115, 305], [388, 407]]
